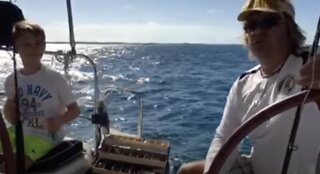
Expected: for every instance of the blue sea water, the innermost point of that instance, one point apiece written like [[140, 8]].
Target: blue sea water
[[184, 88]]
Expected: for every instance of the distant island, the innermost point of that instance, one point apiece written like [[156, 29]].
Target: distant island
[[142, 43], [87, 42]]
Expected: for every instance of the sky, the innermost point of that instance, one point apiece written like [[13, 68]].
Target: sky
[[159, 21]]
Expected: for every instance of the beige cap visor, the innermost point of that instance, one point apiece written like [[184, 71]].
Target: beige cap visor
[[244, 14], [253, 6]]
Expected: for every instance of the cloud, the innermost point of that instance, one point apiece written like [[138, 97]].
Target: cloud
[[153, 23], [147, 32], [214, 11], [127, 7]]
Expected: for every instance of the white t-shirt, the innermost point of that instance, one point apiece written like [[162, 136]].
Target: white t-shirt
[[42, 95], [251, 93]]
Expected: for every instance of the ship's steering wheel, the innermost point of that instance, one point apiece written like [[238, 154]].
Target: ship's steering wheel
[[259, 118], [8, 157]]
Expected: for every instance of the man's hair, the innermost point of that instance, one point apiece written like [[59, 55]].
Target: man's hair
[[296, 36], [23, 27]]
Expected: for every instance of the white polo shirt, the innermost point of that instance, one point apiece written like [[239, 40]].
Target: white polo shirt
[[249, 94]]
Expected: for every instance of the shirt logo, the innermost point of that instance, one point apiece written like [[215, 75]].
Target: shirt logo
[[287, 84]]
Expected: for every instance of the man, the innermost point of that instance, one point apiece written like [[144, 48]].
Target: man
[[275, 41]]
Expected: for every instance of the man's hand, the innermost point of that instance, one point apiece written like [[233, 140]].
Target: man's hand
[[310, 70]]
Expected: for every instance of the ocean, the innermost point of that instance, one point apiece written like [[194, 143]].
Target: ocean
[[184, 88]]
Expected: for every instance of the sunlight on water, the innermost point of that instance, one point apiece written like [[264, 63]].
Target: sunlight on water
[[184, 88]]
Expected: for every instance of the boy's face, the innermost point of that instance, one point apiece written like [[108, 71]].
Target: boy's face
[[30, 47]]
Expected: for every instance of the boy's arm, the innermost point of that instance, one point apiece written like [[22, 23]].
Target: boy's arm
[[72, 112], [66, 98], [10, 111], [10, 107], [54, 124]]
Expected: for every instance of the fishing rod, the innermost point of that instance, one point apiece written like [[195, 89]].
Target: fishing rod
[[20, 156], [8, 156], [19, 140], [291, 147]]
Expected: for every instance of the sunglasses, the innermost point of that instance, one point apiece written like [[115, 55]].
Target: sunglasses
[[265, 23]]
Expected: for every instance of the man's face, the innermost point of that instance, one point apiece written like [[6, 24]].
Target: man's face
[[265, 34]]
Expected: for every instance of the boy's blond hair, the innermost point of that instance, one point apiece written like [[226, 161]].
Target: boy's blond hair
[[22, 27]]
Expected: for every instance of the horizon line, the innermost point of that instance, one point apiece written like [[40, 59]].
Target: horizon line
[[107, 42]]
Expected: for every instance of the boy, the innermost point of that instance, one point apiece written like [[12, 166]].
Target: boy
[[46, 102]]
